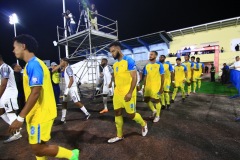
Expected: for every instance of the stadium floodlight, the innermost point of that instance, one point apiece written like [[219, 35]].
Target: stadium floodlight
[[13, 20]]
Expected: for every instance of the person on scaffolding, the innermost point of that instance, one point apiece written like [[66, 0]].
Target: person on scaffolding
[[71, 24], [94, 13]]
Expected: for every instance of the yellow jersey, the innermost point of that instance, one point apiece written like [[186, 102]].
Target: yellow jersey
[[153, 71], [36, 73], [200, 66], [122, 76], [167, 70], [195, 66], [189, 66], [180, 72]]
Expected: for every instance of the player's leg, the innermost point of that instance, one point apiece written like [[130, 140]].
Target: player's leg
[[105, 110], [130, 108], [64, 109], [41, 133], [175, 91], [199, 82], [73, 93], [183, 91], [10, 107], [151, 106], [189, 83], [158, 108], [117, 105], [162, 97], [166, 94], [194, 85], [106, 91]]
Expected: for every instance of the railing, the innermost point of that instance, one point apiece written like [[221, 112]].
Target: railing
[[105, 25]]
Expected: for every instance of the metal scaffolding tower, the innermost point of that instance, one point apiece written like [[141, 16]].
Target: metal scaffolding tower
[[89, 43]]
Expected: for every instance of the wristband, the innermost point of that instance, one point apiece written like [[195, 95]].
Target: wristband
[[173, 81], [20, 119]]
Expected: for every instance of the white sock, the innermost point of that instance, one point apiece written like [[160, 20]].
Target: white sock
[[5, 118], [105, 102], [64, 113], [12, 117], [84, 110]]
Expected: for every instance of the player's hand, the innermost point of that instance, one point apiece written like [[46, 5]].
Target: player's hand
[[110, 85], [128, 97], [66, 92], [15, 126], [191, 79], [160, 91]]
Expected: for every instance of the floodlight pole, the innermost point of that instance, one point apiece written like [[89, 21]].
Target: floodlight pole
[[65, 28], [15, 35]]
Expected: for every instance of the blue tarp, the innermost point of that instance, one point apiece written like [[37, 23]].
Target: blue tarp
[[235, 79]]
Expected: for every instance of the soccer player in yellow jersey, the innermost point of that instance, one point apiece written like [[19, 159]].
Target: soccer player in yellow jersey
[[190, 70], [194, 73], [154, 83], [40, 108], [168, 77], [200, 72], [125, 80], [180, 77]]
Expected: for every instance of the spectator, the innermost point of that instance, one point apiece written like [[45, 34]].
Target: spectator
[[19, 82], [225, 74], [237, 47], [55, 77], [94, 13], [212, 70], [206, 69], [236, 65], [222, 50]]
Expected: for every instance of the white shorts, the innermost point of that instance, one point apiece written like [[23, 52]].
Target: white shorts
[[72, 95], [107, 90], [9, 104]]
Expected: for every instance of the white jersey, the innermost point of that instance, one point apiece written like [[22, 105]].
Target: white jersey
[[68, 72], [71, 19], [236, 64], [11, 89], [107, 75]]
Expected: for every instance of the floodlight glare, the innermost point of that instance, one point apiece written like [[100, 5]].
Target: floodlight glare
[[13, 19]]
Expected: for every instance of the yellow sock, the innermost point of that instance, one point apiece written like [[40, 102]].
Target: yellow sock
[[167, 97], [41, 158], [174, 93], [119, 125], [64, 153], [138, 118], [162, 100], [189, 89], [199, 83], [151, 106], [194, 86], [158, 107]]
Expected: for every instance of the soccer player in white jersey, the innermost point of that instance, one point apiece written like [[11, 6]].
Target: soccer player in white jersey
[[71, 91], [8, 98], [107, 83]]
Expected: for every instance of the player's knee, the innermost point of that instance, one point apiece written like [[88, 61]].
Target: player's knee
[[38, 150], [131, 115], [118, 112]]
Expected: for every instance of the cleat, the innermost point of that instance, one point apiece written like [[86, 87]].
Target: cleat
[[75, 154], [103, 111], [156, 119], [115, 139], [172, 101], [87, 116], [144, 130], [153, 115], [14, 137], [168, 107], [163, 107], [183, 99]]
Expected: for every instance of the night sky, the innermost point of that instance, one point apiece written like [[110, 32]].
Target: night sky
[[136, 17]]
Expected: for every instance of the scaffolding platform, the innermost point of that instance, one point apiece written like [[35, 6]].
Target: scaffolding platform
[[98, 38]]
